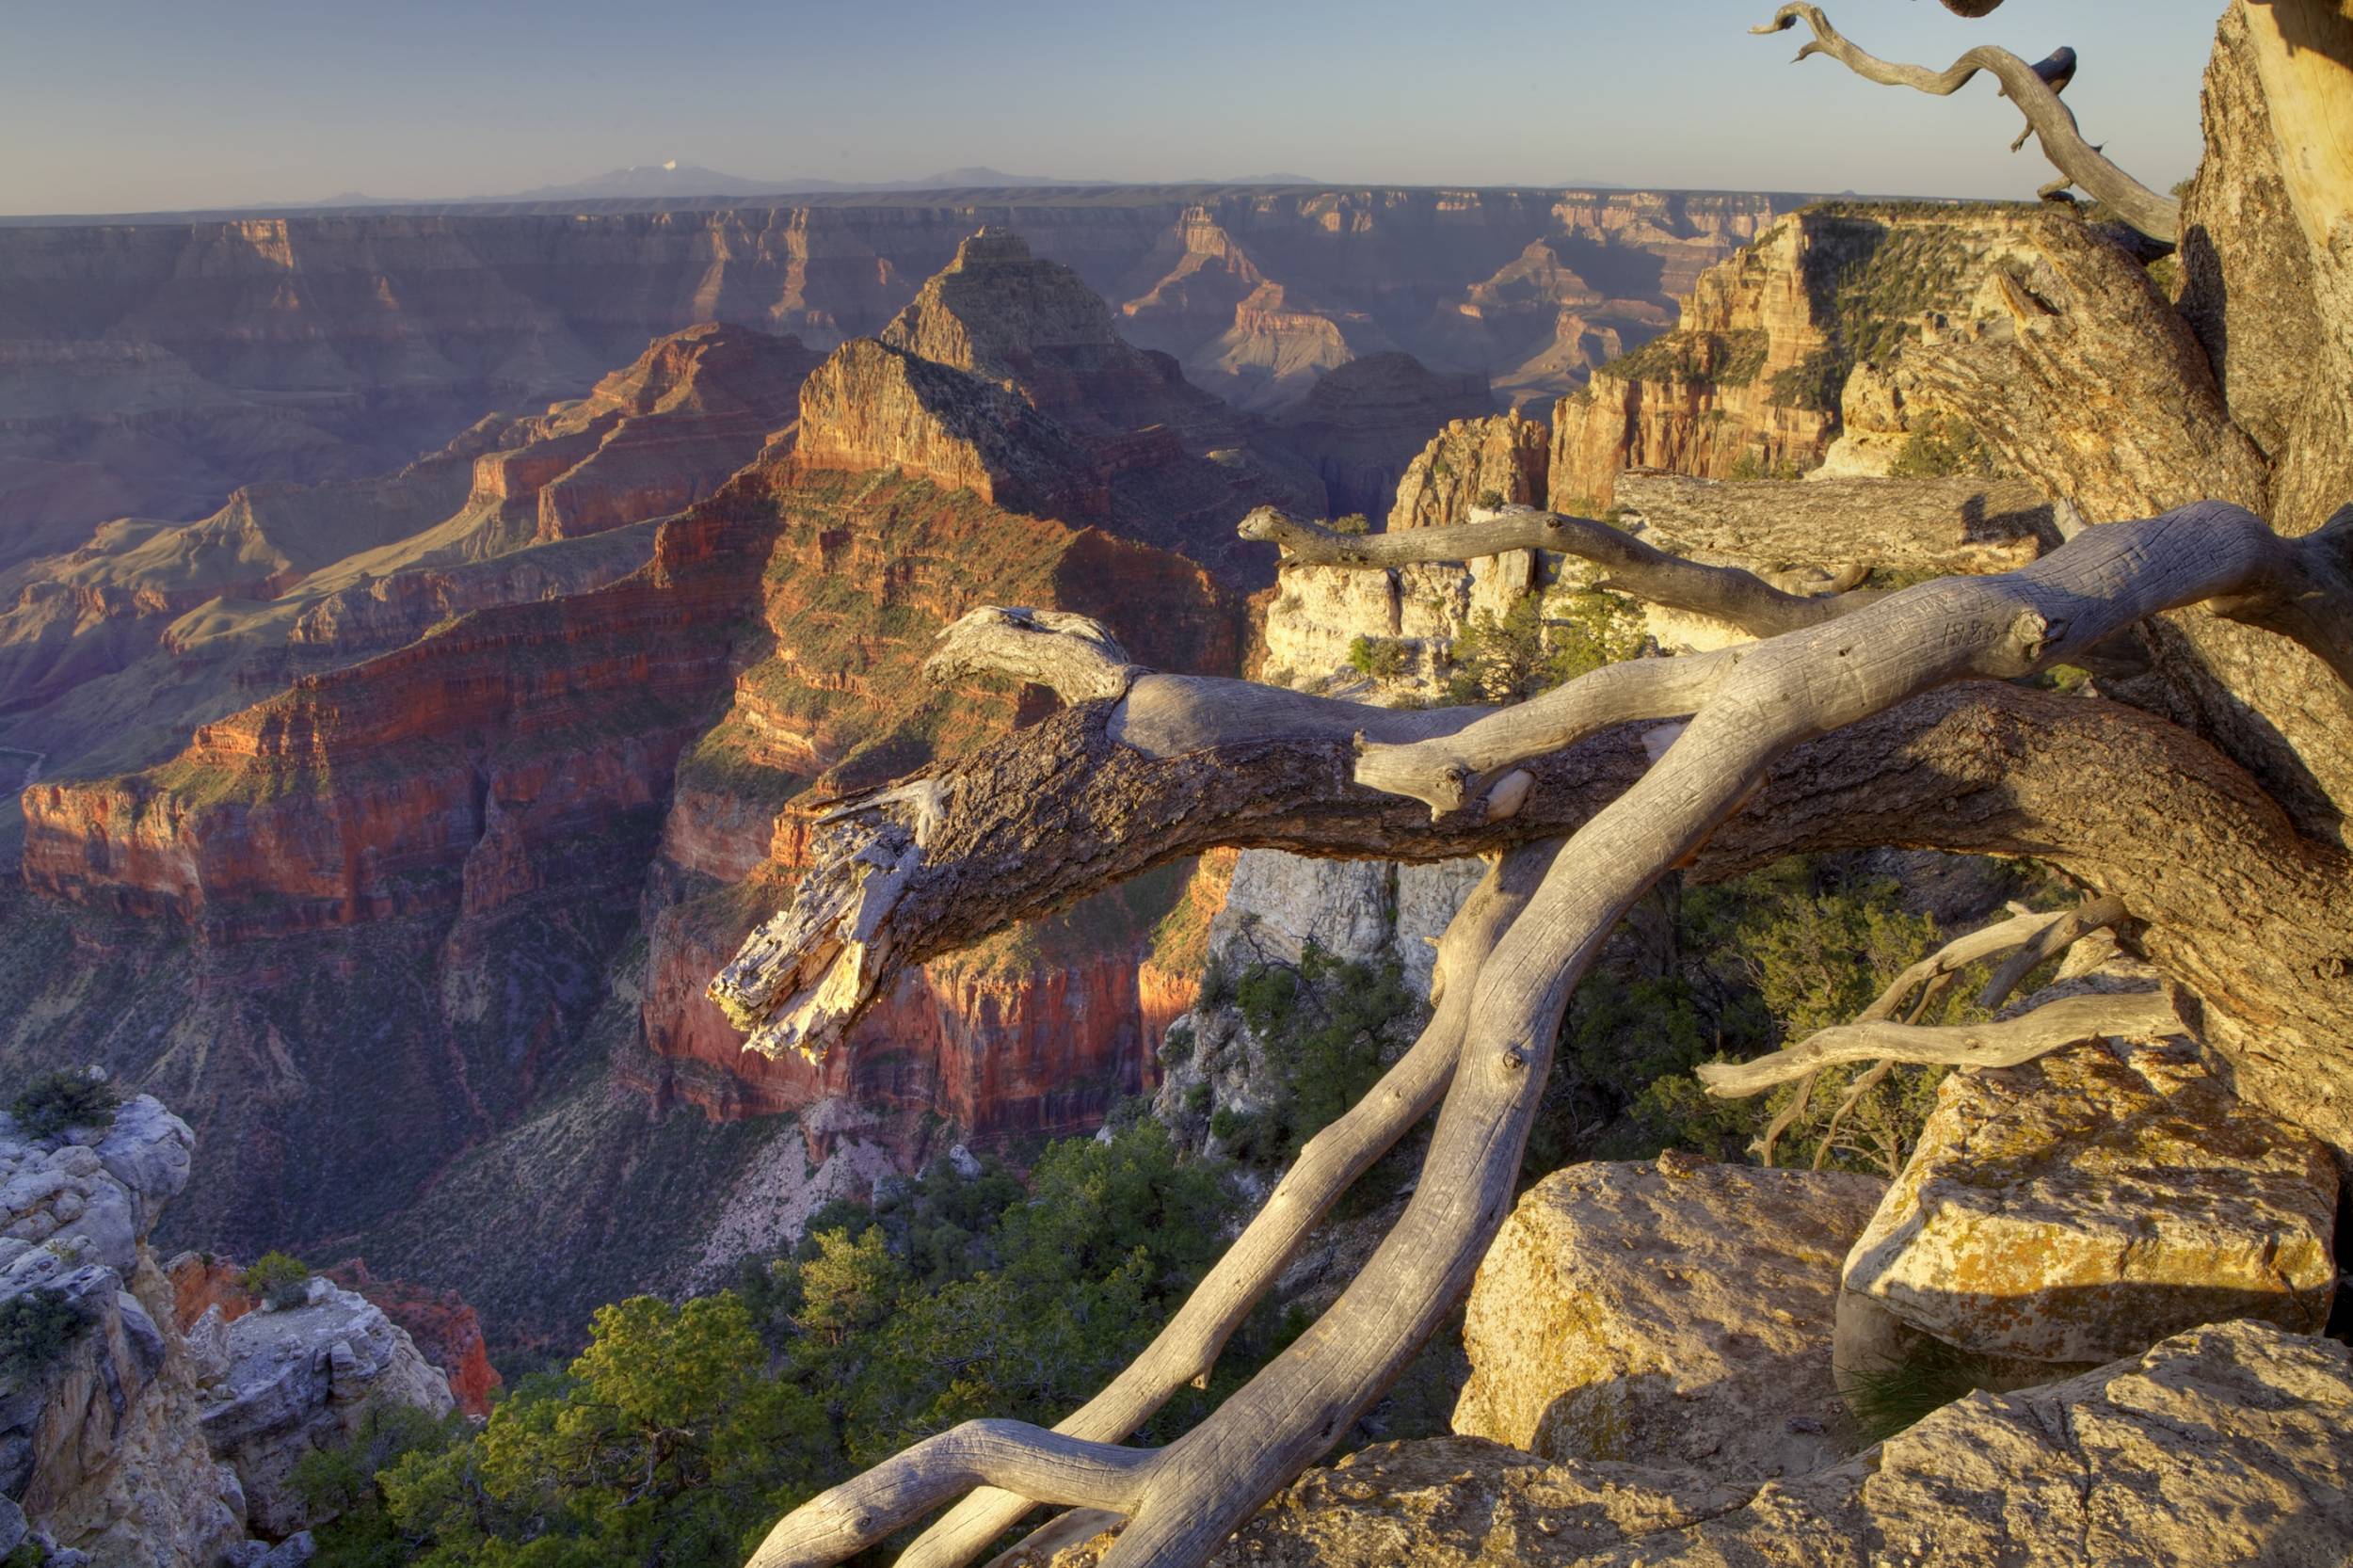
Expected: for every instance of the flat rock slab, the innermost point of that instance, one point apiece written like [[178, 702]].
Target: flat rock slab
[[2231, 1443], [1672, 1313], [2086, 1205]]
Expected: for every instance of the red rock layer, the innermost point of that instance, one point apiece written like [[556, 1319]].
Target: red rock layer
[[446, 1329], [426, 779], [200, 1282], [1039, 1037]]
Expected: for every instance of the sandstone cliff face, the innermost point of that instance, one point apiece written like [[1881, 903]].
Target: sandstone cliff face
[[1747, 384], [1503, 460], [411, 781], [873, 405], [172, 626]]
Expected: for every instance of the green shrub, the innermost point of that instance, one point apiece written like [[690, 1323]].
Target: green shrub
[[1382, 658], [1492, 500], [1813, 383], [1925, 1378], [280, 1280], [1197, 1098], [37, 1327], [1354, 523], [54, 1101], [1540, 642], [1323, 1025], [1938, 447], [1177, 1044]]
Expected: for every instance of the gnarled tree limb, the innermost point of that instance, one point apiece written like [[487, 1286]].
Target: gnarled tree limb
[[2052, 122], [2127, 1015], [1187, 1349], [1453, 772], [1780, 694], [1076, 658], [2070, 927]]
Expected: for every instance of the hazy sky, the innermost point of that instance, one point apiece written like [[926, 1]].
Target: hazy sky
[[116, 105]]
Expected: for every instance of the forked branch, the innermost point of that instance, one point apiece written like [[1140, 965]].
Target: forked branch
[[2071, 1020], [2035, 89], [1182, 1501]]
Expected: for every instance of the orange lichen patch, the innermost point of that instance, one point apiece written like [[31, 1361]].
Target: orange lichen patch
[[2088, 1205]]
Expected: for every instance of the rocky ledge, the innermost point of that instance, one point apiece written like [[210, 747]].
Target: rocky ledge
[[124, 1442], [2225, 1445]]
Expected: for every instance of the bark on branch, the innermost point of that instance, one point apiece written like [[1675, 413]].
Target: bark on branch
[[2026, 86], [1234, 763], [2127, 1015]]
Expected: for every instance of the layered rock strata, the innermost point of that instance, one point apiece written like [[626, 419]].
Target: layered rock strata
[[1747, 384], [148, 369]]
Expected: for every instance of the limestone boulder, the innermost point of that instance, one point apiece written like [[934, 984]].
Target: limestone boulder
[[2230, 1444], [301, 1379], [1675, 1313], [2085, 1205]]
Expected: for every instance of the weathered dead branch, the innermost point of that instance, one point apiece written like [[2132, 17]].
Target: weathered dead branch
[[2072, 926], [1451, 773], [2029, 87], [1186, 1351], [1071, 655], [1778, 694], [2071, 1020]]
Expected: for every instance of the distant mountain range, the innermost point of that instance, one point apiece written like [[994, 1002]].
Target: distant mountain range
[[674, 179]]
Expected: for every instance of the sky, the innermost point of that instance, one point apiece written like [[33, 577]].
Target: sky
[[128, 105]]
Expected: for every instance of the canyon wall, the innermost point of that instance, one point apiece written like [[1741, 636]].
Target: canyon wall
[[1749, 383], [148, 367]]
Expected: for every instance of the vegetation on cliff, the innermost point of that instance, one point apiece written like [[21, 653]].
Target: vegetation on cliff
[[681, 1427]]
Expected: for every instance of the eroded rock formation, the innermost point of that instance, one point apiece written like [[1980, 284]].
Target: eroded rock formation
[[1747, 384]]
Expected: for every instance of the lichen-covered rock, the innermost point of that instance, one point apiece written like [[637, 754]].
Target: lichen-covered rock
[[1675, 1313], [2231, 1443], [2086, 1205], [302, 1379]]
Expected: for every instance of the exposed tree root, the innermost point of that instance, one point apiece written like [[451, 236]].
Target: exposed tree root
[[1187, 1349], [2032, 89]]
